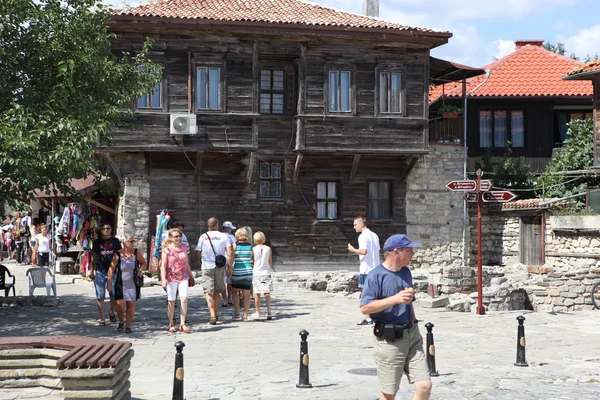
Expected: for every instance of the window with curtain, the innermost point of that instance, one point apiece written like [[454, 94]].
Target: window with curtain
[[498, 128], [327, 200], [152, 99], [340, 91], [208, 88], [270, 180], [390, 92], [271, 92], [380, 200]]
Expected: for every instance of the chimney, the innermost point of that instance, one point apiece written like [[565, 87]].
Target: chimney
[[521, 43], [371, 8]]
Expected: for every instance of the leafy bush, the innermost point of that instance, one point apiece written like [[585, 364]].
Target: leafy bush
[[576, 154], [512, 174]]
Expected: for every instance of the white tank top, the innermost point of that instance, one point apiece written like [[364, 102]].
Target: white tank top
[[261, 259]]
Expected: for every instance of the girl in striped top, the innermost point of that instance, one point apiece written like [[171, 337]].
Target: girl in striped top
[[241, 278]]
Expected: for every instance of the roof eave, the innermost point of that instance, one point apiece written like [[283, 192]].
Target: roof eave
[[582, 76], [436, 38]]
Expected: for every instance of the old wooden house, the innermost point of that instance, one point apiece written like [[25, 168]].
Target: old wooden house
[[522, 106], [305, 117]]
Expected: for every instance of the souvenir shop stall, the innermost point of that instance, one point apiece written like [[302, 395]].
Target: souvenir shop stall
[[164, 220], [73, 227]]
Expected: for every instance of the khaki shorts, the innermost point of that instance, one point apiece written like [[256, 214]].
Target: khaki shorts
[[403, 355], [212, 280]]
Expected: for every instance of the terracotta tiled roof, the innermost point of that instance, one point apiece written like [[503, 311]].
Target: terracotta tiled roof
[[592, 66], [269, 11], [528, 204], [530, 71]]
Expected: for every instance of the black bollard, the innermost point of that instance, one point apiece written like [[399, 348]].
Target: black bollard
[[521, 362], [303, 381], [178, 375], [431, 350]]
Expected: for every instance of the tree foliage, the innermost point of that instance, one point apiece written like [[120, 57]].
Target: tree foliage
[[577, 154], [559, 48], [61, 89], [508, 173]]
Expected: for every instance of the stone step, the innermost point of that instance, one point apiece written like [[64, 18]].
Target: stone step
[[27, 363]]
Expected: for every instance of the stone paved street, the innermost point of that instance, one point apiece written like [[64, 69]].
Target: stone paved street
[[259, 359]]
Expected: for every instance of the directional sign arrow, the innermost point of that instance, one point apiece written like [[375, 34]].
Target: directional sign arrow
[[462, 186], [485, 185], [499, 196], [471, 197]]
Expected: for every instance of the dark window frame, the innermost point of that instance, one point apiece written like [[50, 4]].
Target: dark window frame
[[270, 179], [391, 69], [326, 200], [390, 200], [336, 66], [272, 91], [204, 63], [164, 96], [509, 112]]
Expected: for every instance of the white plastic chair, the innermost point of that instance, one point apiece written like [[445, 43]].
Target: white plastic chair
[[37, 279]]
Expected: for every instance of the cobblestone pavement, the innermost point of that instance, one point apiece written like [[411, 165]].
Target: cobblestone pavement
[[259, 359]]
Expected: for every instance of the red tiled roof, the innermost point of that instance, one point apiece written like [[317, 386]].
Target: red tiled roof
[[530, 71], [269, 11], [592, 66]]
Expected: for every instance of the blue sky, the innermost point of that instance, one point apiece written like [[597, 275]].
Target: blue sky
[[484, 30]]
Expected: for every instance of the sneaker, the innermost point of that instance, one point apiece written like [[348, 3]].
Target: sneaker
[[366, 323]]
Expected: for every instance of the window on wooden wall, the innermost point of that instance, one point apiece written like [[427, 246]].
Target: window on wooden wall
[[328, 200], [501, 128], [390, 92], [271, 180], [209, 88], [152, 99], [272, 91], [380, 200], [339, 97]]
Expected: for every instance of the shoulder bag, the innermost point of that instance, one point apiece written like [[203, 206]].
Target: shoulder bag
[[220, 260]]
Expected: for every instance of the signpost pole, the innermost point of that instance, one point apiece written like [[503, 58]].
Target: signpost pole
[[480, 308]]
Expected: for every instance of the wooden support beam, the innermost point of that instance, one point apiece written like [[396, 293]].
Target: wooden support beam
[[302, 96], [354, 167], [250, 168], [255, 78], [409, 168], [112, 165], [199, 159], [299, 158], [99, 205]]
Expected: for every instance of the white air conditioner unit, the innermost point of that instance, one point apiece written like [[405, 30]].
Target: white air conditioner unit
[[183, 124]]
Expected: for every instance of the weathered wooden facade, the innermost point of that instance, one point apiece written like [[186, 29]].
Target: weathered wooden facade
[[301, 127]]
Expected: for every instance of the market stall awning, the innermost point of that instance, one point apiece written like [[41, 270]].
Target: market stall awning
[[84, 186]]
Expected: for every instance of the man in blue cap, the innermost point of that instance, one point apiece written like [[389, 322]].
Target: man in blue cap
[[387, 297]]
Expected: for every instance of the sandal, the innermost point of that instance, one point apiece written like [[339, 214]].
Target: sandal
[[127, 330], [101, 323], [113, 318], [269, 317], [185, 329], [172, 329], [120, 328], [213, 321]]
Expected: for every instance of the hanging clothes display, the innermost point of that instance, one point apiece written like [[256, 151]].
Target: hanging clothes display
[[162, 220]]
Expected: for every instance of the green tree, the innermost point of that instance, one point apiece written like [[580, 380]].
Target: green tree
[[61, 90], [508, 173], [577, 154], [558, 48]]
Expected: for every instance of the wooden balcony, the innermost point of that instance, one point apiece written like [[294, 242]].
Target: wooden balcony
[[446, 130]]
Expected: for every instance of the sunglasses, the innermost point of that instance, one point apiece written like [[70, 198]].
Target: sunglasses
[[176, 237]]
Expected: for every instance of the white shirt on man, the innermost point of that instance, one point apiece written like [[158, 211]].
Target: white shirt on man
[[220, 242], [368, 240], [43, 242]]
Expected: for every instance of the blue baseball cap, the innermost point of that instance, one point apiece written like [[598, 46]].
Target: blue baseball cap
[[399, 241]]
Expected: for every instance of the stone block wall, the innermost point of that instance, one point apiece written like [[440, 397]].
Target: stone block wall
[[499, 237], [575, 249], [434, 214], [134, 201]]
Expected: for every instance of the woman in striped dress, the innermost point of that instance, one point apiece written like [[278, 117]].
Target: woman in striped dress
[[241, 278]]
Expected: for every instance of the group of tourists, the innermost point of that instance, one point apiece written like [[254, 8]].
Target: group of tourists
[[26, 241], [232, 266]]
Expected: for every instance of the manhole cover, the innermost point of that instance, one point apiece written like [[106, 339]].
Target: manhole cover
[[364, 371]]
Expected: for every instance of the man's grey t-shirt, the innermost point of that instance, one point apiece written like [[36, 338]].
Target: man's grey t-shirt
[[382, 283]]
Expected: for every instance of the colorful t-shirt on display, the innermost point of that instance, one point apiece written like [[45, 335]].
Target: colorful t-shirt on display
[[104, 250]]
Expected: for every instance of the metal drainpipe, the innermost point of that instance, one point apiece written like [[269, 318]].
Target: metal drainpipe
[[465, 208]]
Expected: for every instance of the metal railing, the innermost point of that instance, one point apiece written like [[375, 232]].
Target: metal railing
[[446, 130]]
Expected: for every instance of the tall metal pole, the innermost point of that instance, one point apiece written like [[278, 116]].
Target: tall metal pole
[[480, 308]]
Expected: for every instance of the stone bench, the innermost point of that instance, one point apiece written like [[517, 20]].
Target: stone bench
[[81, 367]]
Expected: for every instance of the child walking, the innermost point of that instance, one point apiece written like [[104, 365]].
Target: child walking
[[262, 281]]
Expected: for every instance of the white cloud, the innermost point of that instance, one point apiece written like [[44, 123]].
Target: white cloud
[[584, 42]]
